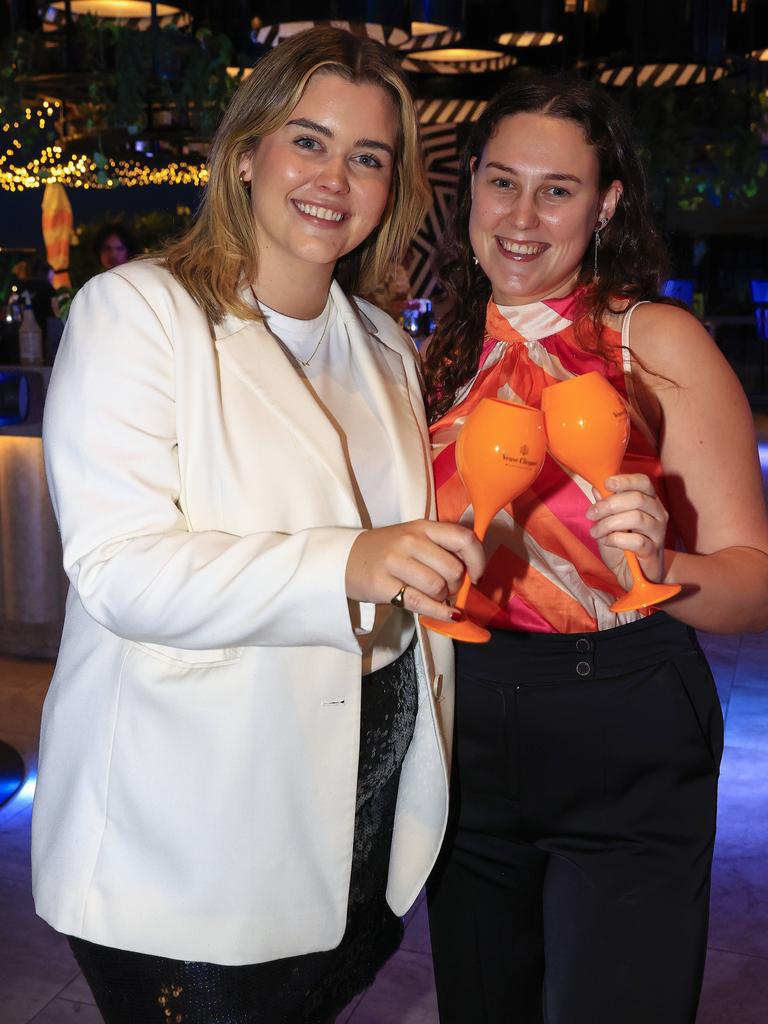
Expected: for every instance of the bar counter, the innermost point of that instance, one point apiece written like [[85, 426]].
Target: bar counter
[[33, 585]]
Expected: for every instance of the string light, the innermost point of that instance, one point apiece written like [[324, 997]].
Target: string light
[[78, 170]]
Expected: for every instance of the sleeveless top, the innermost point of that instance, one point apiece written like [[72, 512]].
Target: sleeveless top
[[544, 572]]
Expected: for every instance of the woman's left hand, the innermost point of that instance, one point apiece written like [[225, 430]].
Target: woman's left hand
[[631, 519]]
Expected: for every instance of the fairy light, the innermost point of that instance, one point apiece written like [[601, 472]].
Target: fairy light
[[78, 170]]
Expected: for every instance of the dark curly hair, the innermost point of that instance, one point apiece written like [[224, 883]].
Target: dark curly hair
[[632, 256], [123, 232]]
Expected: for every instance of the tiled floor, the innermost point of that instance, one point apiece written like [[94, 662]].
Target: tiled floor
[[40, 982]]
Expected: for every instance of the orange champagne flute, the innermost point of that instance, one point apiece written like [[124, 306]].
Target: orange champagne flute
[[499, 453], [588, 430]]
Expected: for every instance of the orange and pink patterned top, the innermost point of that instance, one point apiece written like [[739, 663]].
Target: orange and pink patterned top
[[544, 572]]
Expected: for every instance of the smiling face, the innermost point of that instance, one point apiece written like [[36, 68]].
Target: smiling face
[[536, 202], [320, 184]]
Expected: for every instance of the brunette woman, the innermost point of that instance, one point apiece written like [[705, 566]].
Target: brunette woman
[[573, 886]]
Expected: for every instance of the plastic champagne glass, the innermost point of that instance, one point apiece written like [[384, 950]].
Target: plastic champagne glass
[[587, 429], [499, 453]]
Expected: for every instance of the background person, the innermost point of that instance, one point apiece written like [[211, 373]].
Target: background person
[[114, 245], [574, 882]]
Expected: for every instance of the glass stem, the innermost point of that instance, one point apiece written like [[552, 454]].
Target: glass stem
[[480, 526], [460, 600], [634, 567], [637, 574]]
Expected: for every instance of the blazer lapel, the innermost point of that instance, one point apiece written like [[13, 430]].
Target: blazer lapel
[[398, 406], [256, 357], [251, 352]]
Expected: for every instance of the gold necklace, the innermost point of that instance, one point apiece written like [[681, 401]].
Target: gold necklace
[[304, 362]]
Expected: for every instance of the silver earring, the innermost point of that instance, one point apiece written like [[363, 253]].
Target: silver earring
[[245, 184], [475, 260], [600, 225]]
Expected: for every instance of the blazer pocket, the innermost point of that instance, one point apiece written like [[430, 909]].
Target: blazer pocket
[[181, 657]]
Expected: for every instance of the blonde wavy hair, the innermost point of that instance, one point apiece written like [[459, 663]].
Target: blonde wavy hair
[[220, 250]]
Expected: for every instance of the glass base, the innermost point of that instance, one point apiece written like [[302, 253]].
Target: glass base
[[644, 595], [467, 630]]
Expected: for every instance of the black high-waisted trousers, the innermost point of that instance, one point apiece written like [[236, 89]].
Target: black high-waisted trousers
[[135, 988], [573, 885]]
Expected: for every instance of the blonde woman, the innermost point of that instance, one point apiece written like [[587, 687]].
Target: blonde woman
[[243, 762]]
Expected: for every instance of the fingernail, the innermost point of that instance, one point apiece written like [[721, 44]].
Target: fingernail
[[457, 616]]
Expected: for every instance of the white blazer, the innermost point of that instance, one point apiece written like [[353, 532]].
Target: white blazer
[[198, 762]]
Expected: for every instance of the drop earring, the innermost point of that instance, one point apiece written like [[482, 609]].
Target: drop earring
[[600, 225]]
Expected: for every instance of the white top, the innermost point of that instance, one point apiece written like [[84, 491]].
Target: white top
[[339, 385]]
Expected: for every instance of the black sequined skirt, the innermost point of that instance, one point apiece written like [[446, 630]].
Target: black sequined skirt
[[135, 988]]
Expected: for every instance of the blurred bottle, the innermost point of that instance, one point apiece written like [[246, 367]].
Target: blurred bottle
[[417, 319], [30, 335]]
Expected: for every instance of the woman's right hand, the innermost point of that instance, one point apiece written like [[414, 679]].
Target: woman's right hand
[[426, 557]]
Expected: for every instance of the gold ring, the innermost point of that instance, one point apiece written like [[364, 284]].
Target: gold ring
[[398, 600]]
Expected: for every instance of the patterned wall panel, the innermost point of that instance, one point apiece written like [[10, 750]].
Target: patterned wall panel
[[442, 129], [440, 148]]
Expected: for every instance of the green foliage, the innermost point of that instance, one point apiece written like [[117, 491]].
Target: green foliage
[[64, 298], [137, 72], [154, 227], [17, 59], [703, 145], [172, 82]]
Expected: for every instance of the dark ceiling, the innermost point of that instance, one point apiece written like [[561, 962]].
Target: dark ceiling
[[706, 30]]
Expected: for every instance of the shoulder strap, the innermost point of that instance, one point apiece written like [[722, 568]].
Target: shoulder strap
[[626, 350]]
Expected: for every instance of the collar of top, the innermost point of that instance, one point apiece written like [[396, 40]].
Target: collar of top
[[534, 320]]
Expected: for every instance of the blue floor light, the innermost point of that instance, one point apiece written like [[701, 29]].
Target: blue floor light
[[11, 772]]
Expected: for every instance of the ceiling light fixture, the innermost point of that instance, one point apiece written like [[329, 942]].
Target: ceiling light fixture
[[137, 13], [457, 61]]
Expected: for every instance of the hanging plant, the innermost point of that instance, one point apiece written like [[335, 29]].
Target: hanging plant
[[26, 126], [171, 86], [144, 80]]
